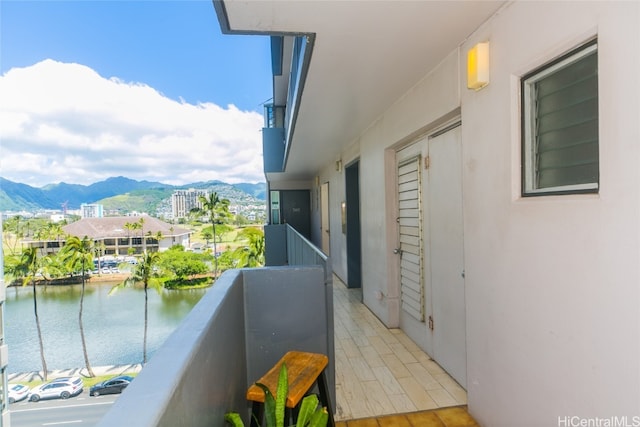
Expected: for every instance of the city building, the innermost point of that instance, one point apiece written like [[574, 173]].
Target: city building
[[183, 201], [91, 210]]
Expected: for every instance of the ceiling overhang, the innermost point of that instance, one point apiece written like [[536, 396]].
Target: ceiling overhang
[[366, 55]]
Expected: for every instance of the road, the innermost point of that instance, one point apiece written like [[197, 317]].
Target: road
[[79, 411]]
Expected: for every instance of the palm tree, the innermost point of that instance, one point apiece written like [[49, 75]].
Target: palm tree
[[136, 226], [155, 238], [78, 253], [158, 237], [130, 227], [144, 273], [251, 255], [26, 268], [217, 210], [144, 238]]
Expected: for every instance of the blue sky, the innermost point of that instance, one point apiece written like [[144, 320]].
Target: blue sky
[[173, 49]]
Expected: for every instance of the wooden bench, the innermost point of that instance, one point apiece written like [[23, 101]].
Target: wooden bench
[[304, 370]]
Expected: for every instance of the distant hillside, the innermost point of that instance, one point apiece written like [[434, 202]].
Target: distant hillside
[[118, 193], [16, 196], [137, 200], [258, 191]]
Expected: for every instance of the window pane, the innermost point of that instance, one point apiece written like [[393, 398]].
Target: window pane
[[563, 101]]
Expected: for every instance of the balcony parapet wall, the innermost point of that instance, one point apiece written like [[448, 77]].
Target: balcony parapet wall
[[239, 329]]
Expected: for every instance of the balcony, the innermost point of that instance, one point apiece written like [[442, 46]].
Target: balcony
[[244, 324]]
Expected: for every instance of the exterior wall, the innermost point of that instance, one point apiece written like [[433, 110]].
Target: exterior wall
[[425, 106], [553, 321], [553, 283]]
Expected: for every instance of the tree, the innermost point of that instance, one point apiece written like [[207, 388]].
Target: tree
[[252, 254], [25, 268], [181, 263], [155, 238], [78, 254], [144, 273], [207, 234], [52, 267], [144, 239], [11, 228], [217, 210], [130, 227]]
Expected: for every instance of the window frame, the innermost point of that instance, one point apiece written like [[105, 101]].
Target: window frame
[[527, 146]]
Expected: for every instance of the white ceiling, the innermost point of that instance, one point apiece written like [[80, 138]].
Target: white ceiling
[[367, 54]]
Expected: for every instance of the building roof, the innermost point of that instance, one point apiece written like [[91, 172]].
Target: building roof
[[114, 227]]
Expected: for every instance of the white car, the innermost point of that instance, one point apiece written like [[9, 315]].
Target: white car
[[17, 392], [62, 388]]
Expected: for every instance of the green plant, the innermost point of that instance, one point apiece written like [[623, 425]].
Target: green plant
[[310, 415]]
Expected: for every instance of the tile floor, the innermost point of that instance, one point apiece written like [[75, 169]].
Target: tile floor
[[380, 371], [445, 417]]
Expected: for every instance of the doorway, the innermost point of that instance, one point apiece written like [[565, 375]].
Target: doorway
[[431, 247], [295, 207], [354, 262], [324, 219], [445, 224]]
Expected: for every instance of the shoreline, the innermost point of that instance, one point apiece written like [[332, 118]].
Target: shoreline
[[113, 277], [79, 372]]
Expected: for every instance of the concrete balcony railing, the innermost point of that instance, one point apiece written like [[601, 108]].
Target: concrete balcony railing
[[237, 331]]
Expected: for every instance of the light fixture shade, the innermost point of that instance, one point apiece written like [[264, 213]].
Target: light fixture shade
[[478, 66]]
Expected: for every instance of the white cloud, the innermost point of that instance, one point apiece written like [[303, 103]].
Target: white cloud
[[64, 122]]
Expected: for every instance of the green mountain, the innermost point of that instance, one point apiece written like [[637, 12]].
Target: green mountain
[[118, 193]]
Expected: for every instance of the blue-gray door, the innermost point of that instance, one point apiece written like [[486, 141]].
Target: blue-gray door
[[295, 210], [354, 270]]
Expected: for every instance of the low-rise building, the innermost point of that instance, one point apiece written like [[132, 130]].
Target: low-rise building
[[118, 235]]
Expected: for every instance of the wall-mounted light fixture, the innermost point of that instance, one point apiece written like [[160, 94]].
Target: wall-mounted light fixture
[[338, 165], [478, 66]]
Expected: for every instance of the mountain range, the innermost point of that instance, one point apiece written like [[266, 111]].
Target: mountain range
[[112, 192]]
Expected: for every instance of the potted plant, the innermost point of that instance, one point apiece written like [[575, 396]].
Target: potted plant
[[310, 414]]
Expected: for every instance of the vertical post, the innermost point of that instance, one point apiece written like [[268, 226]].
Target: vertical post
[[4, 418]]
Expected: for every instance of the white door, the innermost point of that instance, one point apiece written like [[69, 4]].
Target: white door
[[445, 222], [430, 248], [410, 238], [411, 244]]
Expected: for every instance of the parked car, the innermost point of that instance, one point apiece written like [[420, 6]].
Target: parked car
[[111, 386], [62, 388], [17, 392]]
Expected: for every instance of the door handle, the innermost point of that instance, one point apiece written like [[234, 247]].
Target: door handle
[[397, 251]]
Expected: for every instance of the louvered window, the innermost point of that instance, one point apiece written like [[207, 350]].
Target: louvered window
[[560, 120]]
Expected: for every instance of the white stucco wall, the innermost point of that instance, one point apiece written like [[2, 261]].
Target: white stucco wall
[[432, 100], [552, 282]]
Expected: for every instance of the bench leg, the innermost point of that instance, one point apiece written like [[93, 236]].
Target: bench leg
[[325, 398], [256, 414]]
